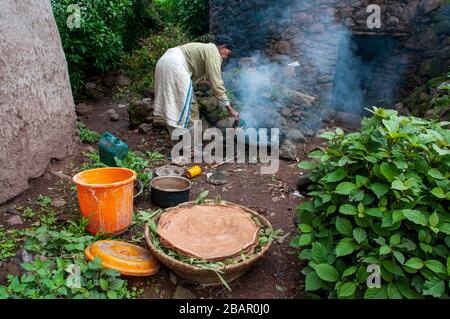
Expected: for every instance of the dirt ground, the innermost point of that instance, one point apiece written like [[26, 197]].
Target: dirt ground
[[277, 275]]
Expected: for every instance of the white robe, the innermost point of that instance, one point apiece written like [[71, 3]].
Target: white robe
[[173, 88]]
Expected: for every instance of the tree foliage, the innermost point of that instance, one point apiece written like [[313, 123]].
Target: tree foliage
[[192, 15], [106, 29]]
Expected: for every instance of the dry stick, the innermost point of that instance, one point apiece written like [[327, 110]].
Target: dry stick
[[217, 165]]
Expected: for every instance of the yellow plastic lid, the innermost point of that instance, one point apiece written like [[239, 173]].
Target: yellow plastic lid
[[126, 258]]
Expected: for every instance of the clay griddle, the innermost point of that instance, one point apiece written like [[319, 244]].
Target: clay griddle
[[208, 232]]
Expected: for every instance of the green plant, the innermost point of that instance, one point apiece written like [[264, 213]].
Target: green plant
[[86, 135], [8, 243], [28, 213], [48, 219], [442, 96], [137, 164], [60, 269], [201, 197], [379, 197], [60, 278], [106, 30], [44, 201], [193, 15], [94, 161], [132, 161], [145, 18], [155, 156], [142, 217], [140, 64], [50, 241], [133, 293], [168, 10]]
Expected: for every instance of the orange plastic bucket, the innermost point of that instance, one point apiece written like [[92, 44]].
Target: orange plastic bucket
[[105, 196]]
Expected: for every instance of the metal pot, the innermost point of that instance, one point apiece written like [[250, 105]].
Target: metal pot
[[169, 191], [138, 188]]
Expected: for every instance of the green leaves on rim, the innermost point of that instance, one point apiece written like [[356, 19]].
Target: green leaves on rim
[[201, 197]]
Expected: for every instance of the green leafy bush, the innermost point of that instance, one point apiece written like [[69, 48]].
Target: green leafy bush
[[192, 15], [140, 64], [106, 29], [145, 19], [379, 197]]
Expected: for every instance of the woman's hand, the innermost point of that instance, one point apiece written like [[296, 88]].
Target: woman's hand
[[233, 113]]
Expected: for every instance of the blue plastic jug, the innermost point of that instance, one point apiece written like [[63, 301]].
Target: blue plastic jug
[[111, 147]]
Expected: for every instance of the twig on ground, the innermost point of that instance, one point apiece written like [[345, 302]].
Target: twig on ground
[[220, 164]]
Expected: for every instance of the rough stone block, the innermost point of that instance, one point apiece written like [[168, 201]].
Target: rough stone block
[[38, 112]]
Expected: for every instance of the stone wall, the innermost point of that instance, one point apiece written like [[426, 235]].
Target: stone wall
[[311, 32], [36, 105]]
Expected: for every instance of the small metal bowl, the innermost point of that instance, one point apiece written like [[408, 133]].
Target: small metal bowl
[[169, 170], [169, 191]]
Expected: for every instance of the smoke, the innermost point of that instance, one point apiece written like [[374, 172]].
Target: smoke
[[334, 64], [362, 78], [257, 86]]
